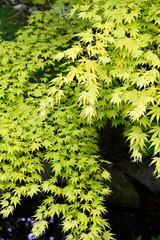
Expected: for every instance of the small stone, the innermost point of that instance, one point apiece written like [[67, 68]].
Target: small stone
[[32, 10], [13, 2], [18, 7]]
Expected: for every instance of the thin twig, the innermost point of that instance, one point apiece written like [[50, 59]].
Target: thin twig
[[13, 15]]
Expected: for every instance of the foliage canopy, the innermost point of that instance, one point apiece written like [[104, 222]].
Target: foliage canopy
[[65, 75]]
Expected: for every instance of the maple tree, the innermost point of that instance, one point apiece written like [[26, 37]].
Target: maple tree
[[75, 67]]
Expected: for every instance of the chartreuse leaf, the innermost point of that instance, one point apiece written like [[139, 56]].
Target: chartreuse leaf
[[67, 73], [156, 161], [106, 175], [39, 227], [6, 211], [108, 235], [138, 140], [15, 200]]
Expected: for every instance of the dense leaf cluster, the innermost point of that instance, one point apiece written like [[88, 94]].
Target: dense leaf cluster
[[65, 75], [121, 54]]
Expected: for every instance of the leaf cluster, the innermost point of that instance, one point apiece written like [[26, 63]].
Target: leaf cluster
[[40, 124], [65, 75]]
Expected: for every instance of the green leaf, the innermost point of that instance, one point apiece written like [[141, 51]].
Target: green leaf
[[108, 235], [39, 227]]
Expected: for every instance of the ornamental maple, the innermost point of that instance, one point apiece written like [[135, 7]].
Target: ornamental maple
[[66, 74]]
